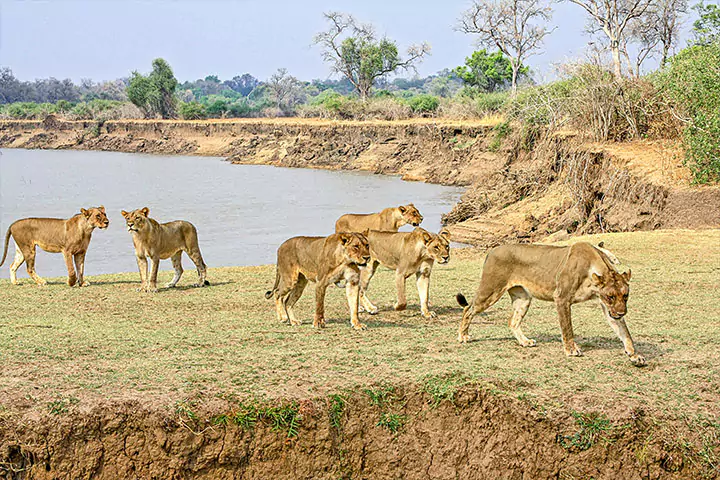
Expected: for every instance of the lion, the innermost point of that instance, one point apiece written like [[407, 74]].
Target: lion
[[389, 220], [323, 260], [564, 275], [70, 237], [407, 253], [160, 241]]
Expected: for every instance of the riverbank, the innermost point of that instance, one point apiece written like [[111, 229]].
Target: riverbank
[[518, 189], [105, 382]]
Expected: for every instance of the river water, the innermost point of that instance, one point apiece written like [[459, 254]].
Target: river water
[[242, 212]]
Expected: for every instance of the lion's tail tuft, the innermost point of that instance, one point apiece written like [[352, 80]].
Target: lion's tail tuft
[[269, 294], [461, 300]]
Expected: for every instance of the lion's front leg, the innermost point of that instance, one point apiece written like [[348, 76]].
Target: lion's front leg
[[620, 328], [352, 293], [401, 303], [72, 277], [320, 288], [152, 284], [143, 268], [80, 268], [568, 337], [423, 286]]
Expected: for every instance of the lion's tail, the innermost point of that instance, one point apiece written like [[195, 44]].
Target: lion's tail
[[270, 293], [7, 239], [461, 300]]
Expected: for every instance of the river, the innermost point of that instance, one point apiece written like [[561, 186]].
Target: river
[[242, 212]]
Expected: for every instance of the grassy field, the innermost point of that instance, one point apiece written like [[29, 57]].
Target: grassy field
[[108, 341]]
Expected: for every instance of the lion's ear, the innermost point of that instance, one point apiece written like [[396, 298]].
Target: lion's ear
[[601, 244], [345, 238], [145, 211], [597, 280], [124, 213], [85, 212], [445, 233], [427, 237], [627, 275], [101, 208], [401, 208], [366, 232]]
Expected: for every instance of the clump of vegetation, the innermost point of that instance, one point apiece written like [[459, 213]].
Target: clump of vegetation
[[337, 404], [592, 427], [392, 421], [61, 406], [691, 85], [424, 103], [443, 388]]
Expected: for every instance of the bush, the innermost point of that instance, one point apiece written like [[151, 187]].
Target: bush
[[492, 103], [81, 111], [692, 87], [192, 111], [424, 103]]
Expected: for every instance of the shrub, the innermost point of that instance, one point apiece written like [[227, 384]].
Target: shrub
[[192, 111], [424, 103], [692, 88], [492, 103], [81, 111]]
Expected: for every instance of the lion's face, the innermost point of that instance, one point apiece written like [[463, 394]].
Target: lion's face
[[438, 246], [356, 248], [136, 220], [96, 217], [613, 290], [410, 215]]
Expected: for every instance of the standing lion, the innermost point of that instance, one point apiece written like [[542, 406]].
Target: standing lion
[[70, 237]]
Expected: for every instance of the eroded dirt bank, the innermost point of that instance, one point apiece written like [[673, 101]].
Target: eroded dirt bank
[[476, 434], [520, 189]]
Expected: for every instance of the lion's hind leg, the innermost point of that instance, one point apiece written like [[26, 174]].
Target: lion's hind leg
[[177, 266], [293, 297], [19, 259], [485, 297], [196, 257], [30, 265], [521, 303]]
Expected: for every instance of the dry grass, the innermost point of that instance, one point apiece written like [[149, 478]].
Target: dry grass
[[109, 342]]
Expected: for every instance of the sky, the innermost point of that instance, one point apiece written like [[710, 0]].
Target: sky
[[107, 39]]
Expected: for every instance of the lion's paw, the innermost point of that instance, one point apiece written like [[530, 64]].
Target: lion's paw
[[400, 306], [528, 343], [573, 351], [463, 338], [84, 283], [638, 360], [360, 326]]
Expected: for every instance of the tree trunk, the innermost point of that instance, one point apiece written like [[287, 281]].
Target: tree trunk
[[615, 48], [514, 77], [666, 49]]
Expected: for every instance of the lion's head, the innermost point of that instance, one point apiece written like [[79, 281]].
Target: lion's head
[[410, 214], [96, 217], [356, 248], [136, 220], [613, 289], [437, 246]]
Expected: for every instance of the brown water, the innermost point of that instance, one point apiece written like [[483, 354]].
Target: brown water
[[242, 212]]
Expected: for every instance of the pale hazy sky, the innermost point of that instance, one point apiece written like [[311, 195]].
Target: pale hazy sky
[[107, 39]]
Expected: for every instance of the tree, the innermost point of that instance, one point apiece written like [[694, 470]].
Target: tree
[[285, 90], [242, 84], [516, 27], [613, 18], [154, 94], [487, 71], [706, 29], [668, 15], [353, 50]]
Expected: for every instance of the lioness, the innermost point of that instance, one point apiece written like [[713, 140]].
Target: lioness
[[160, 241], [407, 253], [70, 237], [564, 275], [389, 220], [323, 260]]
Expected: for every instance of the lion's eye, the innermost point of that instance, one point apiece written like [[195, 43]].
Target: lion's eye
[[611, 298]]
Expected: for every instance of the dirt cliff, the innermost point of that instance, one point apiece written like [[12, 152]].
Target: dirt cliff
[[520, 188]]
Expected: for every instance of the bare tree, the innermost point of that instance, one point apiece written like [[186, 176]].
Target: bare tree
[[669, 15], [516, 27], [643, 34], [285, 89], [353, 50], [613, 18]]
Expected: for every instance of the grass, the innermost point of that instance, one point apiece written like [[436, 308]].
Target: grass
[[109, 342]]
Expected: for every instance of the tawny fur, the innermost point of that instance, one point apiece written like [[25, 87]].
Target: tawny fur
[[160, 241], [70, 237], [564, 275], [389, 220], [323, 260], [407, 253]]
